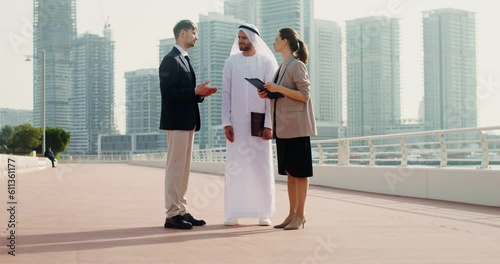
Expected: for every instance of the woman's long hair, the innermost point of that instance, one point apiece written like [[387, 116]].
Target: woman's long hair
[[297, 46]]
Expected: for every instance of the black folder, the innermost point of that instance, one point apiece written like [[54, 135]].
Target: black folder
[[257, 125]]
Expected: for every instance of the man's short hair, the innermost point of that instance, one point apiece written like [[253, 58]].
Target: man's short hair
[[185, 24]]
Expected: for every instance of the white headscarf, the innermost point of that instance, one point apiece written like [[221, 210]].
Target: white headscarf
[[254, 36]]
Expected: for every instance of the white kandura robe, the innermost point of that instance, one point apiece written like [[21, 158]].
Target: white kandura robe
[[249, 176]]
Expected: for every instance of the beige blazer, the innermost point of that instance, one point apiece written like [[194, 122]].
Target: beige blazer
[[294, 118]]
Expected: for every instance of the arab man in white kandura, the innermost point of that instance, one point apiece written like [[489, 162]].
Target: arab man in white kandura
[[249, 176]]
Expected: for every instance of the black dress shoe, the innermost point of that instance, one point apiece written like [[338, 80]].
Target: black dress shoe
[[177, 222], [189, 218]]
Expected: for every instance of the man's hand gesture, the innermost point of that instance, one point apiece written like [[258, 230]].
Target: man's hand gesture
[[203, 90], [229, 133]]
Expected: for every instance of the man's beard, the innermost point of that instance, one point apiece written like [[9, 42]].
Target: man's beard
[[244, 48]]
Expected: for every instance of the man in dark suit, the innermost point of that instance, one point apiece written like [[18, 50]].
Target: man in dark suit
[[180, 116]]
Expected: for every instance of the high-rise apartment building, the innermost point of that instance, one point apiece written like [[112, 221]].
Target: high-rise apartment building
[[296, 14], [327, 93], [15, 117], [270, 16], [245, 10], [217, 33], [450, 79], [164, 48], [373, 75], [143, 101], [54, 30], [92, 99]]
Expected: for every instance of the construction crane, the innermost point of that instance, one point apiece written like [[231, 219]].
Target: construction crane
[[106, 24], [106, 28]]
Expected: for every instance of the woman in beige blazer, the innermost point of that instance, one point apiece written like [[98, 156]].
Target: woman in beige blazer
[[293, 122]]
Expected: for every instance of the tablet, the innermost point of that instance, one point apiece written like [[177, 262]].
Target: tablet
[[257, 83], [260, 85]]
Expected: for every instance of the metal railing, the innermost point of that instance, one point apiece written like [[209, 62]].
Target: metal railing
[[100, 158], [442, 148]]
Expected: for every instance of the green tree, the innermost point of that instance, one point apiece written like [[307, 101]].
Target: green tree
[[57, 139], [25, 139], [6, 138]]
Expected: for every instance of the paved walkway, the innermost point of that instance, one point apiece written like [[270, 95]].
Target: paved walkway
[[112, 213]]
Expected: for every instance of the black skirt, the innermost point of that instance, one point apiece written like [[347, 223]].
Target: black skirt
[[294, 157]]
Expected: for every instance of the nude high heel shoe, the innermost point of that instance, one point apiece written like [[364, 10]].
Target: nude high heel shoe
[[296, 223], [285, 223]]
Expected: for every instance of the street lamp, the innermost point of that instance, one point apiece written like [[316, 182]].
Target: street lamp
[[43, 99]]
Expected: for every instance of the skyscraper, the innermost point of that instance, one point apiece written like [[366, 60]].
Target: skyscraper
[[15, 117], [245, 10], [327, 94], [373, 75], [164, 48], [92, 100], [450, 69], [217, 33], [296, 14], [270, 16], [54, 30], [143, 101]]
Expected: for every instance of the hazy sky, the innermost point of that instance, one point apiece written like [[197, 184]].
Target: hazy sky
[[138, 25]]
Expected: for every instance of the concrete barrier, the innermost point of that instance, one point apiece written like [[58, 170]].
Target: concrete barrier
[[468, 185], [22, 164], [471, 186]]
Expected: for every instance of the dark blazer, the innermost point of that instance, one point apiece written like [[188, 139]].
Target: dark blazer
[[179, 104]]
